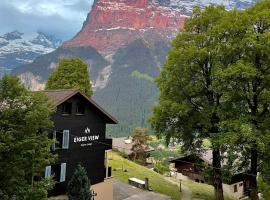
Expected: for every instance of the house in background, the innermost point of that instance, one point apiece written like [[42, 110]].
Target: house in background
[[192, 165], [80, 132], [124, 145]]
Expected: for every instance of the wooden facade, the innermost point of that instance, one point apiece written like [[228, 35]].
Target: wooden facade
[[191, 166], [80, 132]]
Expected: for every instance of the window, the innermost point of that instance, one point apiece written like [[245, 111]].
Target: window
[[62, 140], [66, 108], [80, 109], [57, 171], [235, 188]]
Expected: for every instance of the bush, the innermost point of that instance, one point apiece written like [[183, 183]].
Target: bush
[[161, 168]]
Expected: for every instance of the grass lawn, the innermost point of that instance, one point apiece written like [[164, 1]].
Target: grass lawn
[[157, 182], [201, 191]]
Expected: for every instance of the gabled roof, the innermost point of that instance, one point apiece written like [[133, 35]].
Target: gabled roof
[[59, 96], [205, 156]]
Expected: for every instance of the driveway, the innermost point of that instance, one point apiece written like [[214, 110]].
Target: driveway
[[123, 191]]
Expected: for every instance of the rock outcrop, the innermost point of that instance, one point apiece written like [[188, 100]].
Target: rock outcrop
[[112, 24]]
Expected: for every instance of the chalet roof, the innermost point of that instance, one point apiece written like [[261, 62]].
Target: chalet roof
[[59, 96], [205, 156], [124, 144]]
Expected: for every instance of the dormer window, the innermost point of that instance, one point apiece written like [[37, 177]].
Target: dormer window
[[66, 108], [80, 109]]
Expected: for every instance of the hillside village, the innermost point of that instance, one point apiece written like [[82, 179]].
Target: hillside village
[[151, 99]]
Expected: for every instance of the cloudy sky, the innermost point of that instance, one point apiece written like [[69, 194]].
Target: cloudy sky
[[62, 18]]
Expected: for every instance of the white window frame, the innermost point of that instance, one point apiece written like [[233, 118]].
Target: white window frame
[[48, 171], [63, 172], [65, 139]]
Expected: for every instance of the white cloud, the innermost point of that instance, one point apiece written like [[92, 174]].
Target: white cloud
[[62, 18]]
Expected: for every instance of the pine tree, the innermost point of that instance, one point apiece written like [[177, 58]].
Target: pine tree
[[79, 185], [69, 74]]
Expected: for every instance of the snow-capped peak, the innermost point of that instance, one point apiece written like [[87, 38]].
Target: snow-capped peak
[[186, 6], [19, 48], [35, 42]]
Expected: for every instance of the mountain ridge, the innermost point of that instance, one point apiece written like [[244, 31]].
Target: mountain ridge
[[18, 48], [112, 24]]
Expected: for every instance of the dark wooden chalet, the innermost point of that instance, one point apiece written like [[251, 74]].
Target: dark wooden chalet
[[80, 131], [192, 166]]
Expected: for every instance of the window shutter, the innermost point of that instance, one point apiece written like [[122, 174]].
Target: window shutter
[[48, 171], [65, 142], [63, 172], [54, 138]]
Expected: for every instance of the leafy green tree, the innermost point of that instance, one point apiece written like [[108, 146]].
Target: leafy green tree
[[79, 185], [191, 100], [140, 140], [24, 145], [69, 74], [248, 88]]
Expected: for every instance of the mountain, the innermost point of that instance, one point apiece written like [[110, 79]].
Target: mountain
[[124, 42], [20, 48], [114, 23]]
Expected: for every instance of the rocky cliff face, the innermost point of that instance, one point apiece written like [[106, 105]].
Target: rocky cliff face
[[115, 23]]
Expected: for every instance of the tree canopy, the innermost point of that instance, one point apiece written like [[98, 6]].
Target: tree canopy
[[24, 144], [140, 139], [215, 85], [248, 89], [69, 74], [190, 102]]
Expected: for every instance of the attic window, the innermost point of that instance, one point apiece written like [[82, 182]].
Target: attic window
[[80, 109], [66, 108]]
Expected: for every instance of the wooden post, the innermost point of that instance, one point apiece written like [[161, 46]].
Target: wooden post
[[146, 183], [180, 185]]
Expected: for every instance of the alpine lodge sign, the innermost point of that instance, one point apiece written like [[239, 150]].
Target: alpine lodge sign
[[87, 138]]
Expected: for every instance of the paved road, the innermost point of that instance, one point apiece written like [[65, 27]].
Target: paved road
[[123, 191]]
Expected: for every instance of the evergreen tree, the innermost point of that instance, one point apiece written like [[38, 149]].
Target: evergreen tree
[[24, 145], [79, 185], [70, 73]]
